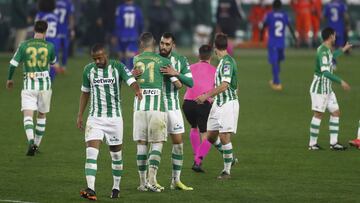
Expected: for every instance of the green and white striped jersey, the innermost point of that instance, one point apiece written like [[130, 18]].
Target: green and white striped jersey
[[36, 55], [104, 87], [226, 71], [180, 64], [151, 81], [322, 83]]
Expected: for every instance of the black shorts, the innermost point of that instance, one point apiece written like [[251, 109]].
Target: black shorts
[[197, 114]]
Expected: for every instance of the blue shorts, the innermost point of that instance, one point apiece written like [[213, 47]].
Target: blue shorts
[[275, 54], [131, 46]]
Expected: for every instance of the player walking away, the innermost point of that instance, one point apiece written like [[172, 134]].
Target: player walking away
[[101, 84], [65, 12], [35, 55], [222, 121], [356, 142], [276, 20], [46, 13], [175, 121], [197, 114], [322, 95], [128, 26], [149, 113]]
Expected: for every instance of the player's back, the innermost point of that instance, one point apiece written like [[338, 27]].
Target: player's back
[[129, 21], [52, 20], [36, 55], [64, 8], [277, 22], [151, 80], [334, 13]]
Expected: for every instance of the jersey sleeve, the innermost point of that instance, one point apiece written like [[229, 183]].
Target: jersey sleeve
[[226, 71], [185, 75], [18, 56], [52, 54], [125, 74], [324, 61], [85, 87]]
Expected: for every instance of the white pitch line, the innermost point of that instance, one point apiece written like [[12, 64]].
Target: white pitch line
[[14, 201]]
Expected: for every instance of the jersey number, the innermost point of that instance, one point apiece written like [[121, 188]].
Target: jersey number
[[279, 26], [334, 14], [61, 12], [150, 67], [33, 60], [51, 31], [129, 19]]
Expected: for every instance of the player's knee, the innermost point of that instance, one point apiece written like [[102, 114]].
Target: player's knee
[[318, 115], [336, 113]]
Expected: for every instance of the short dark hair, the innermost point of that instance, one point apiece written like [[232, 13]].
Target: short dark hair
[[205, 52], [168, 35], [277, 4], [326, 33], [46, 5], [221, 41], [97, 47], [146, 39], [40, 26]]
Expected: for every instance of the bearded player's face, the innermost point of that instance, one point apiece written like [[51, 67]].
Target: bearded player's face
[[166, 46]]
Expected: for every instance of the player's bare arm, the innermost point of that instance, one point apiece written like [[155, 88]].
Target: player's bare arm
[[202, 98], [84, 98]]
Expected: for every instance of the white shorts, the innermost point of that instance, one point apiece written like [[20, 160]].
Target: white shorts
[[36, 100], [175, 122], [149, 126], [321, 102], [111, 128], [224, 118]]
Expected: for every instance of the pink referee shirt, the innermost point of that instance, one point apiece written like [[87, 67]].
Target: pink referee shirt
[[203, 75]]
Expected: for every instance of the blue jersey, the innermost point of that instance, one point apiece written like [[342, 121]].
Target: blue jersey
[[334, 13], [52, 20], [129, 22], [64, 9], [277, 22]]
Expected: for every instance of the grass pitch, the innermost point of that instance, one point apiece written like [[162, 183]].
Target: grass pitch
[[271, 143]]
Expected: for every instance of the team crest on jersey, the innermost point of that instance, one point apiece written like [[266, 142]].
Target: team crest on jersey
[[103, 81]]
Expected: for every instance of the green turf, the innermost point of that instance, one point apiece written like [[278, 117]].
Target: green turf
[[271, 143]]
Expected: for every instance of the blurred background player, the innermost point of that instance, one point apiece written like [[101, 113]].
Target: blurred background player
[[336, 17], [203, 24], [150, 118], [35, 55], [228, 15], [175, 121], [46, 13], [197, 114], [65, 12], [302, 10], [101, 85], [321, 92], [256, 17], [129, 24], [20, 20], [316, 13], [356, 142], [276, 20], [224, 113]]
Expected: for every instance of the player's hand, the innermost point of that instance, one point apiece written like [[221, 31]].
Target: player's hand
[[139, 95], [168, 70], [345, 86], [201, 99], [9, 84], [79, 123], [346, 47], [136, 72]]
